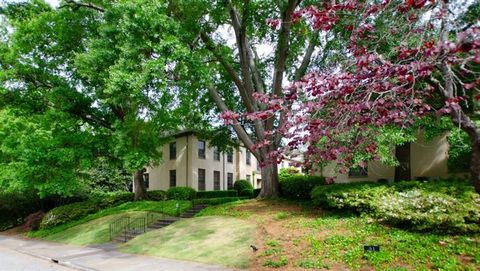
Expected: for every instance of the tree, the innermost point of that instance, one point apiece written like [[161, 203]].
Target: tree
[[402, 61], [101, 68]]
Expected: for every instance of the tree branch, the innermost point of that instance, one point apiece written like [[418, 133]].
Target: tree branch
[[302, 69], [76, 5], [242, 134]]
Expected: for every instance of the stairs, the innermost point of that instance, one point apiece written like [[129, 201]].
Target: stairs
[[128, 235], [193, 211]]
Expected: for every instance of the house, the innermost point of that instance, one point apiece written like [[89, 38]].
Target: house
[[190, 161], [418, 159]]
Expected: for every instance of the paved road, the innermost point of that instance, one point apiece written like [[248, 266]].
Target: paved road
[[11, 260], [27, 254]]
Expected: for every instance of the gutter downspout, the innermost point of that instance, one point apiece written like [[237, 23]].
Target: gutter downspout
[[223, 163]]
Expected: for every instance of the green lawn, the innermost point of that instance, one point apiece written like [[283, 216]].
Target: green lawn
[[303, 237], [91, 229], [215, 240]]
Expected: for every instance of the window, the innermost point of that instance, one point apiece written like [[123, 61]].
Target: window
[[216, 180], [173, 150], [258, 166], [146, 179], [216, 154], [229, 181], [247, 155], [173, 178], [358, 172], [259, 182], [201, 149], [201, 179], [249, 177], [230, 157]]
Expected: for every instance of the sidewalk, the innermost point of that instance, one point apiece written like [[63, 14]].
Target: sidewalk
[[98, 259]]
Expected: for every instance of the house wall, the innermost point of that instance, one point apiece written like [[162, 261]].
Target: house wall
[[427, 159], [188, 163], [159, 176]]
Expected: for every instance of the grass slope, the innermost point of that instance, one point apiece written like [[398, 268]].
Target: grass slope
[[91, 229], [301, 237], [215, 240]]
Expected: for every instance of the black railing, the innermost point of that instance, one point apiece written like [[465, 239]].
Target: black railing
[[119, 226], [137, 226]]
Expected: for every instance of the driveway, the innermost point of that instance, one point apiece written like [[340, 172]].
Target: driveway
[[27, 254]]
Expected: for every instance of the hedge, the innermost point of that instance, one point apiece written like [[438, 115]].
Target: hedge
[[181, 193], [73, 211], [299, 187], [156, 195], [216, 201], [256, 192], [444, 206], [216, 194]]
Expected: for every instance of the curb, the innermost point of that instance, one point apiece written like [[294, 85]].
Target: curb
[[59, 262]]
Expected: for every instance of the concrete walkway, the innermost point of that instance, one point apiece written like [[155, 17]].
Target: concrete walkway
[[97, 258]]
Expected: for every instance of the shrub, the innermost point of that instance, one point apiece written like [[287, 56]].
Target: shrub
[[216, 194], [69, 212], [181, 193], [73, 211], [216, 201], [446, 206], [32, 221], [248, 193], [241, 185], [157, 195], [256, 192], [299, 187]]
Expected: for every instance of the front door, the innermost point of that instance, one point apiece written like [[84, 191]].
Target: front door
[[402, 171]]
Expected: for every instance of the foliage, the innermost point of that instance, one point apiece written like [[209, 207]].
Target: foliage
[[246, 193], [448, 206], [241, 185], [181, 193], [75, 211], [215, 201], [107, 176], [459, 151], [286, 172], [216, 194], [156, 195], [32, 221], [256, 192], [165, 207], [298, 187]]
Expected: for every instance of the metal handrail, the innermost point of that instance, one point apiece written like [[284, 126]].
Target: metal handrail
[[137, 225], [118, 226]]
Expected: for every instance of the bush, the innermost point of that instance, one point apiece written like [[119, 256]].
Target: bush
[[32, 221], [299, 187], [216, 201], [157, 195], [256, 192], [216, 194], [181, 193], [241, 185], [248, 193], [73, 211], [446, 206], [69, 212]]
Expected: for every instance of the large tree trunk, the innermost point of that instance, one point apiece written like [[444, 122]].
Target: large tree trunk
[[139, 185], [270, 184]]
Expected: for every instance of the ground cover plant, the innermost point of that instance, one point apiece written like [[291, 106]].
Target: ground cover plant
[[444, 205], [294, 235], [62, 231], [215, 240]]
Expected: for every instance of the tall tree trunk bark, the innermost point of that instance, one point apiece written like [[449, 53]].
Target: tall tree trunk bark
[[270, 184], [139, 185]]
